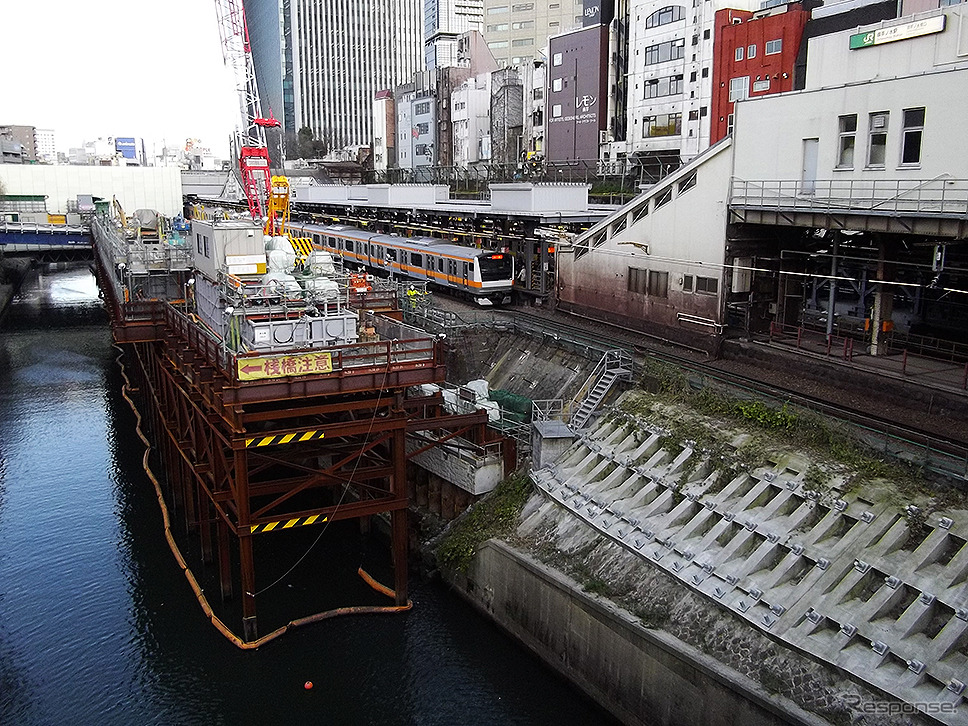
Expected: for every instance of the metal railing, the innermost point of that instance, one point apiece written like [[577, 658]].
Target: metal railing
[[39, 228], [942, 195], [839, 346]]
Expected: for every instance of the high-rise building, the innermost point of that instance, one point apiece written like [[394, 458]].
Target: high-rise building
[[518, 31], [444, 22], [320, 63], [44, 140], [23, 135]]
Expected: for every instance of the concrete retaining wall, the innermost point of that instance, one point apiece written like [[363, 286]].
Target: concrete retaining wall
[[642, 676]]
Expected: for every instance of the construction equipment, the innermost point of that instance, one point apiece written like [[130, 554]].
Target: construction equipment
[[253, 154]]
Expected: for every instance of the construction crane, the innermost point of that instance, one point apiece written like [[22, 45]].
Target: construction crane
[[253, 154]]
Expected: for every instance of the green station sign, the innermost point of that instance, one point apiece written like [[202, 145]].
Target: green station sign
[[898, 32]]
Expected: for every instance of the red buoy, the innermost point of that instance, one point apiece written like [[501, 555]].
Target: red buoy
[[308, 685]]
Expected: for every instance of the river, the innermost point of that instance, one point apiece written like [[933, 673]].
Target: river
[[98, 625]]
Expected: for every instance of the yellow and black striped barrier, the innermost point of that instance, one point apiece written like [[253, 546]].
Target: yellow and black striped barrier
[[287, 523], [280, 439], [303, 246]]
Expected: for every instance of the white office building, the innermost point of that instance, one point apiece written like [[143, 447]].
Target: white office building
[[444, 22], [323, 61]]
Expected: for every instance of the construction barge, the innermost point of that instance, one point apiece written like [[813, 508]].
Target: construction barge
[[278, 395]]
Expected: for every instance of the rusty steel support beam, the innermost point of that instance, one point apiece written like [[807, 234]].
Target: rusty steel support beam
[[398, 518], [224, 560], [250, 628]]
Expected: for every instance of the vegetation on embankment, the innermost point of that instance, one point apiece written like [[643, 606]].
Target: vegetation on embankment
[[495, 515]]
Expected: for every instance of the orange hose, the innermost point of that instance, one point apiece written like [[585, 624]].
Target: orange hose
[[196, 588]]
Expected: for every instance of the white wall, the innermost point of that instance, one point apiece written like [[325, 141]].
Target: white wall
[[157, 188], [814, 114], [831, 62]]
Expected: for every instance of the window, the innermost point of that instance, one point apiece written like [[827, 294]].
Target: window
[[669, 124], [688, 182], [877, 141], [694, 114], [658, 283], [423, 128], [911, 132], [750, 51], [666, 15], [497, 28], [668, 86], [729, 124], [198, 242], [497, 10], [206, 250], [518, 42], [521, 7], [416, 259], [707, 284], [556, 110], [556, 85], [687, 283], [705, 73], [523, 25], [556, 59], [692, 77], [538, 94], [739, 88], [705, 35], [421, 108], [671, 50], [498, 44], [738, 55], [638, 280], [848, 132], [774, 46]]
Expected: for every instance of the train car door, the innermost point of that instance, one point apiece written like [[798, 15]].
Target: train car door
[[463, 272]]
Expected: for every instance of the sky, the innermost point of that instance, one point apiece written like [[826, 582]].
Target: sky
[[144, 68]]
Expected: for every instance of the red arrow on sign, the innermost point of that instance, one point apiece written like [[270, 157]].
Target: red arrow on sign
[[251, 369]]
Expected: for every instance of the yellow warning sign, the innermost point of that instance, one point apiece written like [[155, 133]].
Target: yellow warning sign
[[253, 369]]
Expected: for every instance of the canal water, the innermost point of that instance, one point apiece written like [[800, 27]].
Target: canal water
[[98, 625]]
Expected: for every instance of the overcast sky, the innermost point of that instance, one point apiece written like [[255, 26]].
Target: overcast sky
[[99, 68]]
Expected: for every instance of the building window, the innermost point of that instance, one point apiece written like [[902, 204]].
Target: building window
[[729, 124], [518, 42], [739, 88], [694, 115], [556, 110], [556, 85], [848, 134], [656, 87], [421, 108], [423, 128], [705, 73], [671, 50], [498, 44], [521, 7], [538, 94], [738, 55], [556, 59], [666, 15], [687, 283], [774, 46], [638, 280], [877, 143], [750, 51], [667, 124], [658, 284], [705, 35], [708, 285], [500, 27], [497, 9], [911, 135], [523, 25], [692, 77]]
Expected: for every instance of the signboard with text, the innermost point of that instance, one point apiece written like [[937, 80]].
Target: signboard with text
[[898, 32], [253, 369]]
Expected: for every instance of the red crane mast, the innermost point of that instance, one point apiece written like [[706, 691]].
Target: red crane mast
[[253, 154]]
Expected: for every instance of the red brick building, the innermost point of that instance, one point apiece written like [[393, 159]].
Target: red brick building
[[754, 55]]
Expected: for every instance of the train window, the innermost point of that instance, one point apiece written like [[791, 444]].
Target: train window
[[496, 267], [440, 264], [416, 259], [463, 270], [391, 255], [316, 240], [348, 245]]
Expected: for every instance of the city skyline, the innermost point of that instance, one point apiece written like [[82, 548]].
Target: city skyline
[[159, 72]]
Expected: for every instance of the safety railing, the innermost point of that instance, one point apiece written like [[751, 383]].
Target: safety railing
[[839, 346], [942, 195], [38, 228]]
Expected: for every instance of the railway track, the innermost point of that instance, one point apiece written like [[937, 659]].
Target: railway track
[[947, 456]]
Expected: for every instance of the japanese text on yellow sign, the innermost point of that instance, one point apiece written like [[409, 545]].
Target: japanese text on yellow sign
[[252, 369]]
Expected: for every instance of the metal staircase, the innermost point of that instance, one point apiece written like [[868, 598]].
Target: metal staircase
[[615, 365]]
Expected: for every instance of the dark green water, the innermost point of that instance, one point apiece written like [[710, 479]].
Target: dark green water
[[98, 626]]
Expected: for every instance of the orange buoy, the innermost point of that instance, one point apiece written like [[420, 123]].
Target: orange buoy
[[308, 685]]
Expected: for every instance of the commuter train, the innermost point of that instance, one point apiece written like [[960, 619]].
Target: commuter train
[[484, 276]]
